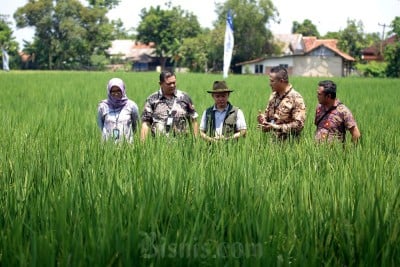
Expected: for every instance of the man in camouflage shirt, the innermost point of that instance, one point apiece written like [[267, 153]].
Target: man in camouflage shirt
[[168, 111], [286, 112], [332, 118]]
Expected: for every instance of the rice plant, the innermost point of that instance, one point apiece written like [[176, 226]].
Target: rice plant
[[68, 199]]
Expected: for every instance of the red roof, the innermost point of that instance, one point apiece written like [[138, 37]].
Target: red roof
[[139, 45], [307, 45], [311, 43], [391, 40], [375, 49]]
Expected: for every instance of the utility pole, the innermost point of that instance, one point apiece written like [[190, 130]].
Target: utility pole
[[383, 36]]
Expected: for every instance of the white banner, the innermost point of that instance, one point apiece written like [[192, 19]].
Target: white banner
[[5, 59], [228, 44]]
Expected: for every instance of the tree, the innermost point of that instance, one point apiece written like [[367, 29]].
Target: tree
[[194, 52], [307, 28], [119, 30], [392, 51], [216, 48], [346, 43], [108, 4], [351, 39], [331, 35], [7, 41], [204, 52], [167, 28], [372, 69], [372, 39], [67, 34], [252, 38]]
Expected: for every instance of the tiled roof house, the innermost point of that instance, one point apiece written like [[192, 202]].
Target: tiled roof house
[[304, 56], [141, 55]]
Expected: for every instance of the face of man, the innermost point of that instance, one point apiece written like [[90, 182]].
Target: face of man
[[274, 82], [220, 99], [322, 97], [168, 86]]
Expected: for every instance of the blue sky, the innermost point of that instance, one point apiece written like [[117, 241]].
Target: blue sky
[[327, 15]]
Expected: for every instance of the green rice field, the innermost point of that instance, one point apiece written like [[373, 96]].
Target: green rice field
[[68, 199]]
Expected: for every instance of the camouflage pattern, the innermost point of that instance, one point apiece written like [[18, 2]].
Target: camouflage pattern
[[288, 111], [333, 126], [157, 107]]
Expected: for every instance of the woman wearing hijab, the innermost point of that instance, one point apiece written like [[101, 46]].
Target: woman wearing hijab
[[117, 115]]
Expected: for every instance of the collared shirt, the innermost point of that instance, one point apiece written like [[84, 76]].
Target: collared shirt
[[158, 108], [333, 125], [117, 124], [289, 111], [219, 120]]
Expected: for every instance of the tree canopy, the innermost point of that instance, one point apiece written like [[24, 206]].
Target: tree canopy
[[167, 28], [6, 38], [351, 39], [252, 37], [67, 33], [392, 51], [7, 41], [250, 19], [109, 4], [307, 28]]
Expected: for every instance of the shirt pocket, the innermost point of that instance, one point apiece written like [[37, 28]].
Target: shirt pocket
[[285, 110]]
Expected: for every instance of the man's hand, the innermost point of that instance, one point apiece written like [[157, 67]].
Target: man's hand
[[267, 126], [273, 126], [219, 137], [211, 139], [261, 117]]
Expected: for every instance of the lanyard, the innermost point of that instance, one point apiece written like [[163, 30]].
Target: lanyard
[[117, 115], [172, 108], [326, 113], [276, 105]]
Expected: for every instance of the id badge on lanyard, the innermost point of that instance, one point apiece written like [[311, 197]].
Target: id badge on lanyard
[[115, 133], [169, 122], [170, 119]]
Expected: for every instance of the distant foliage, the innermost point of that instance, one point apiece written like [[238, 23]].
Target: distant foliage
[[67, 33], [307, 28], [372, 69], [392, 51], [252, 38], [167, 28], [7, 41]]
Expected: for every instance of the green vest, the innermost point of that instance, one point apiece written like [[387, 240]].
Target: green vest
[[229, 125]]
